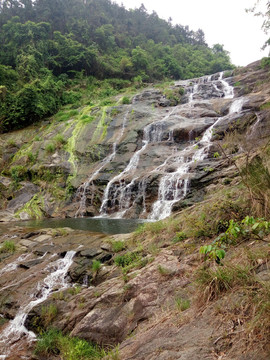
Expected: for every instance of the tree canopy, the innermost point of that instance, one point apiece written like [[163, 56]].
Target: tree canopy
[[45, 41]]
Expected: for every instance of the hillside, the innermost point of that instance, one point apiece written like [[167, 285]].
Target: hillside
[[194, 285], [47, 46]]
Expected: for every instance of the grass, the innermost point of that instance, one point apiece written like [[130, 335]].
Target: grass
[[8, 247], [50, 148], [96, 266], [215, 281], [54, 343], [48, 314], [118, 246], [182, 304]]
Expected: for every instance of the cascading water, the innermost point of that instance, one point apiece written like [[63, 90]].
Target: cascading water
[[128, 193], [117, 192], [174, 186], [82, 190], [56, 279]]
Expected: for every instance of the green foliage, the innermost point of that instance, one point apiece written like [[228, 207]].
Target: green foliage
[[45, 49], [179, 236], [8, 247], [87, 119], [18, 173], [50, 148], [118, 246], [96, 266], [236, 232], [125, 100], [125, 259], [53, 342], [265, 62]]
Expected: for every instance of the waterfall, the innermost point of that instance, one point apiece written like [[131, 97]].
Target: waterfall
[[174, 186], [82, 190], [116, 188], [56, 279], [130, 189]]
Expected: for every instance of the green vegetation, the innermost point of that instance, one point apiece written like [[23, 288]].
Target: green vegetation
[[53, 342], [182, 304], [237, 232], [48, 314], [53, 53], [96, 266], [8, 247], [118, 246]]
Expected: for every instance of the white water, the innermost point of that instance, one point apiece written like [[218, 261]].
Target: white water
[[174, 186], [55, 280], [82, 190], [152, 133], [13, 266]]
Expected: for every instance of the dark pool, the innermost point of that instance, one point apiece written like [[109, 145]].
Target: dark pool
[[101, 225]]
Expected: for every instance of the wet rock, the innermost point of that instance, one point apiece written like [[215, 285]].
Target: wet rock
[[29, 264]]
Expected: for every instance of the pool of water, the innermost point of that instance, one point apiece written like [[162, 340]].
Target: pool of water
[[100, 225]]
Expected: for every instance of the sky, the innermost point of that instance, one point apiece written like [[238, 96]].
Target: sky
[[222, 21]]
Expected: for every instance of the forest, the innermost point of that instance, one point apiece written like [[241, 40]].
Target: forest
[[46, 44]]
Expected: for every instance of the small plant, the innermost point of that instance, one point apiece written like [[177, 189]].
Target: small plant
[[118, 246], [164, 271], [11, 143], [50, 148], [216, 155], [87, 119], [179, 236], [30, 157], [213, 282], [182, 304], [48, 314], [125, 100], [75, 290], [126, 259], [54, 343], [18, 173], [59, 140], [8, 247], [96, 266]]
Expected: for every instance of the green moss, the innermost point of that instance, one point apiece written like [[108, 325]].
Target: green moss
[[34, 207]]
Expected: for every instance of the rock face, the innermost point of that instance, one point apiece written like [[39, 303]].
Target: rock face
[[139, 160]]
